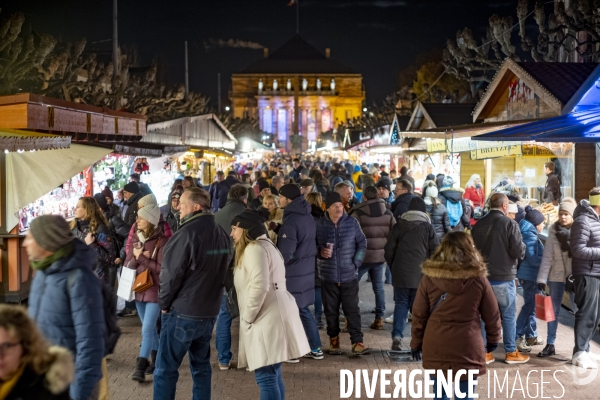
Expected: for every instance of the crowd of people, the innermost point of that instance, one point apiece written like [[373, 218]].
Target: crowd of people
[[278, 247]]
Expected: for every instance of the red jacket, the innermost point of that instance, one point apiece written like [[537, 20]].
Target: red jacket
[[477, 197], [154, 244]]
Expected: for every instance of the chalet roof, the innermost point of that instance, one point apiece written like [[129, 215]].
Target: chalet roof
[[560, 85], [297, 56], [561, 79], [445, 114]]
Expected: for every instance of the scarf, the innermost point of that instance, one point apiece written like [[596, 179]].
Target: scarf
[[563, 236], [7, 386], [52, 258], [416, 216]]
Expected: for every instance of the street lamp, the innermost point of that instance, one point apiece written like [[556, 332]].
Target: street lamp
[[365, 109], [227, 108]]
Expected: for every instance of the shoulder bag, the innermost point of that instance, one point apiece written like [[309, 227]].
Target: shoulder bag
[[144, 280]]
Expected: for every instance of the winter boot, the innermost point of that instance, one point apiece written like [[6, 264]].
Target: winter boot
[[377, 324], [334, 346], [140, 369], [150, 369]]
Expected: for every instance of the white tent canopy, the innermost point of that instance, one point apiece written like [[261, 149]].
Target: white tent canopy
[[29, 176]]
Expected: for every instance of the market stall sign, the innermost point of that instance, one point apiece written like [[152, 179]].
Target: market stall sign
[[462, 145], [496, 152], [531, 150]]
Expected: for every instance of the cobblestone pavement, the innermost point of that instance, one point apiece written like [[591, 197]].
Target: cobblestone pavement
[[312, 379]]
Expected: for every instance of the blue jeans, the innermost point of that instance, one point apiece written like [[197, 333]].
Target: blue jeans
[[181, 334], [310, 327], [318, 305], [388, 274], [148, 313], [270, 382], [375, 273], [223, 334], [403, 299], [464, 389], [506, 296], [557, 289], [526, 323]]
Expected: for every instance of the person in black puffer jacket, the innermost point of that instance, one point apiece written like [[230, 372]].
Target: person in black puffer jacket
[[315, 200], [404, 195], [437, 212], [119, 231], [223, 188], [341, 248], [585, 249], [132, 195]]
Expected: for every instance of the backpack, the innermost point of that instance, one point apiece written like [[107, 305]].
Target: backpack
[[111, 332], [455, 211]]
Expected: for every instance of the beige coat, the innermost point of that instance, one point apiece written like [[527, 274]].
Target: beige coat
[[270, 328], [556, 264]]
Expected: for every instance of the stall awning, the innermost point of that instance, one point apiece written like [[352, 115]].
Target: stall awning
[[15, 140], [29, 176], [575, 127]]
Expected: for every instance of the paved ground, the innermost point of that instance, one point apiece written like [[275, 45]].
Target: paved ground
[[312, 379]]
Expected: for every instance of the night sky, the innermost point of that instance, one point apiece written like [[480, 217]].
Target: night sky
[[374, 37]]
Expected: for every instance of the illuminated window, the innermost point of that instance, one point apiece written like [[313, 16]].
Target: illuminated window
[[282, 124], [267, 120]]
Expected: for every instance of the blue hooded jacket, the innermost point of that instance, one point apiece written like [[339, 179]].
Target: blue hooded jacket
[[528, 270], [71, 314], [297, 244], [349, 248]]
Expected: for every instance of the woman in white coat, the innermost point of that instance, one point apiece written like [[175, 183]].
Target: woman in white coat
[[270, 328]]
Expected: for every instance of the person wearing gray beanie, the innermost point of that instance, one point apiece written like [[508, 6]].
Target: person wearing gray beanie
[[65, 299]]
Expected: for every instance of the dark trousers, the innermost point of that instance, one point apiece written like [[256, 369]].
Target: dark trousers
[[587, 317], [345, 294]]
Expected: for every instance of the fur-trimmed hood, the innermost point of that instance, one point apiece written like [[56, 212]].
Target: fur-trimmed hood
[[452, 278], [61, 372]]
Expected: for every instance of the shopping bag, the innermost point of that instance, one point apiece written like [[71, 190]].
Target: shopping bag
[[125, 283], [543, 308]]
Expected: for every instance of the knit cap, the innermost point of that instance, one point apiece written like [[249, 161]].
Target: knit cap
[[176, 194], [431, 191], [101, 200], [384, 183], [534, 216], [51, 232], [150, 213], [132, 187], [263, 184], [147, 200], [568, 204], [290, 191], [252, 221], [332, 198], [417, 204], [448, 181]]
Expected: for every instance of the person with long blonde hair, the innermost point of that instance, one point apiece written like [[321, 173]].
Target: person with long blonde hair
[[91, 227], [270, 328], [453, 295], [30, 369]]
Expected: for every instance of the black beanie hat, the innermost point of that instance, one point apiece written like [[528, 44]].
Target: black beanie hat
[[290, 191], [263, 184], [132, 187], [417, 204], [534, 216], [384, 183], [332, 197], [101, 200], [252, 221]]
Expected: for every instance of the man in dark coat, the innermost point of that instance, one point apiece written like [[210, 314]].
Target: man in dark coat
[[212, 190], [296, 242], [223, 188], [132, 194], [295, 173], [404, 195], [585, 248], [66, 300], [498, 239], [413, 240], [376, 222], [193, 270], [237, 198], [552, 192], [404, 176], [341, 247]]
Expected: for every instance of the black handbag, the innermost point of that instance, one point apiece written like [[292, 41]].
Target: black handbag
[[570, 284], [232, 303]]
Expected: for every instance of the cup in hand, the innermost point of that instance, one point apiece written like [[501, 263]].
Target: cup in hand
[[330, 246], [137, 245]]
